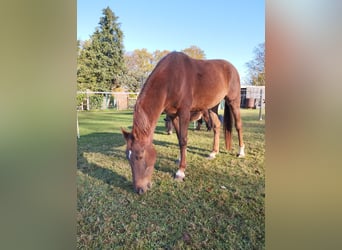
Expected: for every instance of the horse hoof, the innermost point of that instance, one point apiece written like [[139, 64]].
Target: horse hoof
[[240, 155], [212, 156], [179, 176]]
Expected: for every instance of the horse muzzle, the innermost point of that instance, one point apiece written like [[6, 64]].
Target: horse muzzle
[[141, 190]]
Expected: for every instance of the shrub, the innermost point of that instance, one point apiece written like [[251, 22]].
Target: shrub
[[95, 101]]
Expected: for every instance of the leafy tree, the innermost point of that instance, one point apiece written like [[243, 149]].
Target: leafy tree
[[157, 55], [194, 52], [101, 59], [139, 66], [140, 61], [78, 47], [256, 67]]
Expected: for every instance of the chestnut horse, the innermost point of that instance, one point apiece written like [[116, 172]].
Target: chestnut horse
[[183, 88]]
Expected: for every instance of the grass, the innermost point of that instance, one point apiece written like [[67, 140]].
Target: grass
[[220, 205]]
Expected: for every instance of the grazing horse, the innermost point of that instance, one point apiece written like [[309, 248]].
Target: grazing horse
[[168, 125], [205, 116], [181, 87]]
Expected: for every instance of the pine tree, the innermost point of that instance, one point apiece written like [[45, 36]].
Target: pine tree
[[101, 59]]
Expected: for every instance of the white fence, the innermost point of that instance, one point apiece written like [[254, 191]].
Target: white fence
[[87, 100]]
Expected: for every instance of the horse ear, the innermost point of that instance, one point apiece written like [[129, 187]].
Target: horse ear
[[125, 134]]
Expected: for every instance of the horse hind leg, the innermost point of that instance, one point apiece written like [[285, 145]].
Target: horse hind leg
[[235, 108], [216, 123]]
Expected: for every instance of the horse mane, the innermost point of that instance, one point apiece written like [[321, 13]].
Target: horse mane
[[141, 124], [141, 121], [146, 85]]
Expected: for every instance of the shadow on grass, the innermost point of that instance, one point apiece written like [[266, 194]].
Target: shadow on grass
[[191, 148], [109, 145], [175, 147], [106, 144]]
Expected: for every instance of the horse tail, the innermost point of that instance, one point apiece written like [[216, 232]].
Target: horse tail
[[228, 125]]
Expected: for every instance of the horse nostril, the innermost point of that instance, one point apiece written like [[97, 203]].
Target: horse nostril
[[140, 191]]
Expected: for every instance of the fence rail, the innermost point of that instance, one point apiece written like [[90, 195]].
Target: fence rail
[[251, 97]]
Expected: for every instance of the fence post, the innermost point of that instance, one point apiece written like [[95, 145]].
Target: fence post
[[117, 102], [88, 100], [78, 128], [260, 115]]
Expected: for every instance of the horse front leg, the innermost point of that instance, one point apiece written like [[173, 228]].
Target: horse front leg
[[216, 123], [182, 134]]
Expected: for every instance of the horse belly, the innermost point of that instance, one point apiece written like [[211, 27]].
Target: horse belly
[[207, 101], [209, 91]]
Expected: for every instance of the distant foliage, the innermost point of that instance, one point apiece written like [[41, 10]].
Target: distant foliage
[[256, 67], [80, 98], [158, 55], [194, 52], [139, 64], [96, 101]]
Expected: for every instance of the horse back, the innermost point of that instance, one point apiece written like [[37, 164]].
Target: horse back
[[195, 84]]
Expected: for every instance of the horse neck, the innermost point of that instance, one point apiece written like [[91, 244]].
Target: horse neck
[[146, 115]]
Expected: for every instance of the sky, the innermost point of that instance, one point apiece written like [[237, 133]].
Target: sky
[[223, 29]]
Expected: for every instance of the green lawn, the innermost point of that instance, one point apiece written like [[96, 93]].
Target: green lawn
[[220, 205]]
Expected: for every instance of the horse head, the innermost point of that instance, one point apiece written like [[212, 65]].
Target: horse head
[[142, 157]]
